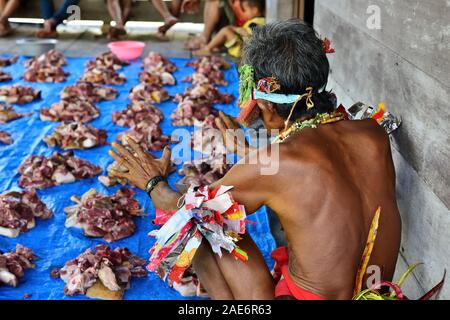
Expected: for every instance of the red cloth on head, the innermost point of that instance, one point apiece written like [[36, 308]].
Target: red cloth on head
[[286, 286]]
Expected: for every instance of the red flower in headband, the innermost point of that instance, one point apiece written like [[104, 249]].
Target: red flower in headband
[[268, 85], [327, 46]]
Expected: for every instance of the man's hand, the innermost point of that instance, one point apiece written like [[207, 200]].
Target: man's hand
[[235, 143], [141, 165], [190, 6]]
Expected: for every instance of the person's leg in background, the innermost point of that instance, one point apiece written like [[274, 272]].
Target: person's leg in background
[[169, 19], [52, 18], [211, 18], [7, 8], [126, 9], [116, 11]]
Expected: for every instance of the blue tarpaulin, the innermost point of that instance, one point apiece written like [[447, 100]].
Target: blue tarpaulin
[[52, 242]]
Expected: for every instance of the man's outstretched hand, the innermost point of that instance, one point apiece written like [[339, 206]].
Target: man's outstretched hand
[[233, 135], [141, 165]]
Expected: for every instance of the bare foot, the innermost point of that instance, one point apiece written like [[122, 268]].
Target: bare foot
[[49, 30], [202, 52], [169, 23], [195, 43], [5, 28]]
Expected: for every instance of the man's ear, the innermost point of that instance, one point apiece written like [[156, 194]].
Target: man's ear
[[270, 116]]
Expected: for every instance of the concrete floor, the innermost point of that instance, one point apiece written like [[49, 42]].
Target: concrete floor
[[90, 42]]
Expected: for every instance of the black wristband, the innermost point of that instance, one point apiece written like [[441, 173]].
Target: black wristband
[[151, 184]]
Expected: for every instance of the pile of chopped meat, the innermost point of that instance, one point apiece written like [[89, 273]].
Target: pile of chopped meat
[[208, 71], [5, 76], [42, 73], [103, 75], [7, 113], [208, 139], [205, 93], [89, 91], [158, 78], [152, 93], [73, 109], [137, 112], [208, 63], [18, 94], [14, 264], [48, 67], [155, 62], [110, 217], [5, 138], [51, 58], [18, 211], [40, 172], [191, 111], [110, 179], [4, 62], [76, 135], [107, 60], [113, 268], [147, 134], [203, 172]]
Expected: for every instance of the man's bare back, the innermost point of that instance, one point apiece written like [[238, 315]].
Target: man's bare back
[[330, 183]]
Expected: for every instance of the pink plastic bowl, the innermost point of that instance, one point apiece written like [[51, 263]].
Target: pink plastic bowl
[[127, 50]]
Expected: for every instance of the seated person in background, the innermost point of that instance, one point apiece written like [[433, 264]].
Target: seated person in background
[[332, 175], [216, 13], [7, 8], [119, 10], [53, 18], [233, 37]]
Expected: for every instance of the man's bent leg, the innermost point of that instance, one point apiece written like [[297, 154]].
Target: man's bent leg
[[249, 280]]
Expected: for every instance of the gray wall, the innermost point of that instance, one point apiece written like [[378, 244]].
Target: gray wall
[[406, 64]]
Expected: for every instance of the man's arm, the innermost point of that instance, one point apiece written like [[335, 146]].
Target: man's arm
[[250, 187]]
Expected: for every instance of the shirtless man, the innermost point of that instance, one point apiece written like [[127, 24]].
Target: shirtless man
[[330, 182]]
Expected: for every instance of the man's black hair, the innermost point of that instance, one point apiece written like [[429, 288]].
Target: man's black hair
[[292, 52], [260, 4]]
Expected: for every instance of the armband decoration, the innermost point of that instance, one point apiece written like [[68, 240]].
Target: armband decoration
[[211, 215]]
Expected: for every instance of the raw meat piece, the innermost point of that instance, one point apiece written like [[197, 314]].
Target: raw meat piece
[[137, 112], [76, 135], [5, 76], [68, 110], [208, 139], [4, 62], [111, 180], [104, 75], [17, 94], [147, 134], [215, 77], [206, 93], [110, 217], [18, 211], [158, 78], [207, 63], [106, 60], [118, 267], [7, 113], [5, 138], [151, 93], [51, 58], [40, 172], [45, 73], [14, 264], [190, 112], [89, 91], [155, 62], [203, 172]]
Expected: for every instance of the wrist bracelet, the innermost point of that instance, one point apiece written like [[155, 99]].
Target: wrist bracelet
[[151, 184]]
